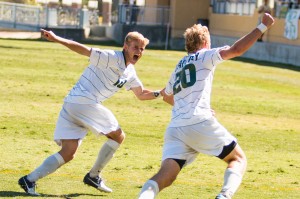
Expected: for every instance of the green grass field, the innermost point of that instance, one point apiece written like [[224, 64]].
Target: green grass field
[[259, 104]]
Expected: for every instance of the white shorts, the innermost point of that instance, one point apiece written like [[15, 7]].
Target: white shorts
[[75, 120], [185, 143]]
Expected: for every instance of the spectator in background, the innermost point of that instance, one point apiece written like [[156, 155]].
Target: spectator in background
[[124, 12], [134, 13], [265, 8]]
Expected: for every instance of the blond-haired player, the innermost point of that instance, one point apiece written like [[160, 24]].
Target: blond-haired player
[[193, 128], [108, 71]]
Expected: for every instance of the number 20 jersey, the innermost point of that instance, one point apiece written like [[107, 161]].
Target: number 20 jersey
[[191, 85]]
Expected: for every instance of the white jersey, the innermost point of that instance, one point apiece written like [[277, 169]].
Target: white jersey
[[191, 85], [105, 75]]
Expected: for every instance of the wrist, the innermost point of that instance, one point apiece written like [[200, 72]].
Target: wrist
[[157, 94], [262, 27]]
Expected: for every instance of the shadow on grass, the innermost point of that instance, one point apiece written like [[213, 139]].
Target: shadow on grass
[[12, 194], [115, 44], [268, 64], [1, 46]]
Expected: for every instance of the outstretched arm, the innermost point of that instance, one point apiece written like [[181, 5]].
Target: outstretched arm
[[144, 94], [245, 43], [72, 45]]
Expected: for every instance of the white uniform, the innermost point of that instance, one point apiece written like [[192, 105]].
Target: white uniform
[[82, 109], [193, 128]]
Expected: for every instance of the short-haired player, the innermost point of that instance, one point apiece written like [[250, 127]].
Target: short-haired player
[[193, 128], [108, 71]]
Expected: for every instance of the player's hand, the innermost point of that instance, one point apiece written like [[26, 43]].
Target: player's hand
[[49, 35], [268, 20]]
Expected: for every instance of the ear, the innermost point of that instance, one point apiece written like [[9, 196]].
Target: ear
[[206, 45]]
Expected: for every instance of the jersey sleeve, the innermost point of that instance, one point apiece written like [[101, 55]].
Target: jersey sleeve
[[133, 80], [103, 58], [136, 82], [169, 86], [212, 57]]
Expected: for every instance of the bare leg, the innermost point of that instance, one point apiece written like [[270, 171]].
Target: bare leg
[[53, 162], [237, 163], [164, 178], [107, 151]]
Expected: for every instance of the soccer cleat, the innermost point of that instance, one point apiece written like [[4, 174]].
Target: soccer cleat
[[29, 187], [221, 196], [96, 182]]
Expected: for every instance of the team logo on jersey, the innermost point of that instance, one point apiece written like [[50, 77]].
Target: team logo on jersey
[[120, 83]]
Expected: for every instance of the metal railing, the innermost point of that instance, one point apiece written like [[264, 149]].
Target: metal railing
[[143, 15], [27, 17], [14, 15], [239, 7]]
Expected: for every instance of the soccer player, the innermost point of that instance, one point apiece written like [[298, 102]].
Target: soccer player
[[107, 73], [193, 128]]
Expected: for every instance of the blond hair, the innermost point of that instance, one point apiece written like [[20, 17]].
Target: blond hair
[[136, 36], [195, 37]]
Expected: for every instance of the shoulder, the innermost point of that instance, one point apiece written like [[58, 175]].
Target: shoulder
[[130, 68], [104, 51], [214, 52]]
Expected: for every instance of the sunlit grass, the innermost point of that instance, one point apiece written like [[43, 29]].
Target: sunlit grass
[[258, 104]]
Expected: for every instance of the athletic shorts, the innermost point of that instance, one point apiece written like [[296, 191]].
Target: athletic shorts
[[75, 120], [185, 143]]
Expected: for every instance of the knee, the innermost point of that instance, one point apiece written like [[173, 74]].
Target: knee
[[67, 155], [118, 136], [238, 161], [241, 157], [165, 182], [242, 160]]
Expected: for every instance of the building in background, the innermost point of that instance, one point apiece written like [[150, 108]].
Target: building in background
[[164, 21]]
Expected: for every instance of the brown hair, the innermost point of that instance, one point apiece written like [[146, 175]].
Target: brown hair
[[195, 37], [136, 36]]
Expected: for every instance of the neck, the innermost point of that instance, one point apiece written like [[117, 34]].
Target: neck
[[124, 55]]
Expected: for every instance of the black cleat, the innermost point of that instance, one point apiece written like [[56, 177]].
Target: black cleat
[[96, 182], [29, 187]]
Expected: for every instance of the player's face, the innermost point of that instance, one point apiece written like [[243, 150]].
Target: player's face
[[133, 51]]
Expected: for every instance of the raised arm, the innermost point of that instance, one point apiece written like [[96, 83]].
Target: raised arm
[[72, 45], [245, 43]]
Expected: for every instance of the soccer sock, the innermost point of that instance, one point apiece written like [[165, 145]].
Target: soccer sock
[[51, 164], [232, 181], [149, 190], [105, 155]]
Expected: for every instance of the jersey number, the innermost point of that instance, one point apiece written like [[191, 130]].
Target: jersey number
[[120, 83], [185, 78]]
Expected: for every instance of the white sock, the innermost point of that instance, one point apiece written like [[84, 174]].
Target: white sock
[[149, 190], [105, 155], [232, 181], [51, 164]]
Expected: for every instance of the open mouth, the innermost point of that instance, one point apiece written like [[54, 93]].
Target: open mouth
[[135, 57]]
